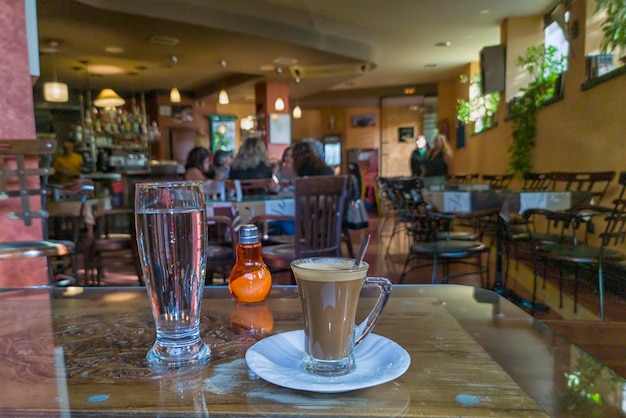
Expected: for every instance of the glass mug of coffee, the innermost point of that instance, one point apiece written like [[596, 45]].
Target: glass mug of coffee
[[329, 289]]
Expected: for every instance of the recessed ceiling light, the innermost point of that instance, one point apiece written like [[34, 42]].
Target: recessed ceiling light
[[114, 49], [430, 65], [409, 90], [443, 44], [484, 12], [105, 69]]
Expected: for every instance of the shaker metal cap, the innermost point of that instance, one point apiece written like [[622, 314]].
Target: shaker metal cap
[[249, 234]]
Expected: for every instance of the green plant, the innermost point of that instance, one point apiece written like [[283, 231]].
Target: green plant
[[545, 65], [478, 106], [614, 26]]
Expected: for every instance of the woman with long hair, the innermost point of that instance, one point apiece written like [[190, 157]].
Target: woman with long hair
[[438, 162], [251, 161], [198, 164], [307, 163]]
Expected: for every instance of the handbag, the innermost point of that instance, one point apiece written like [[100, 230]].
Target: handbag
[[357, 215]]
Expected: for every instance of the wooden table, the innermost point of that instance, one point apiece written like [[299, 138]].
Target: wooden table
[[82, 352]]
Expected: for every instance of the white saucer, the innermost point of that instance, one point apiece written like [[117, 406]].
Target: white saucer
[[278, 359]]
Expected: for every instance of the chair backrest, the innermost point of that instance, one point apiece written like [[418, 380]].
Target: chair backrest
[[249, 187], [595, 182], [498, 181], [405, 195], [615, 232], [22, 176], [320, 203], [465, 178], [537, 181]]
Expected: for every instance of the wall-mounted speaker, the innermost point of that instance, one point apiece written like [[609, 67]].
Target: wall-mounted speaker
[[492, 68]]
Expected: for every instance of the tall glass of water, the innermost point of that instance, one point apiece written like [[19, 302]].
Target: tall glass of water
[[170, 219]]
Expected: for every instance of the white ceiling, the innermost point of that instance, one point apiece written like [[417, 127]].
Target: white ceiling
[[345, 50]]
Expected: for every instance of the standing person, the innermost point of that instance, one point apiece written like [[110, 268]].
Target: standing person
[[198, 164], [418, 156], [438, 162], [67, 165], [307, 163]]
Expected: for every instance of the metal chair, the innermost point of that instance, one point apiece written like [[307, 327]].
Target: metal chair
[[320, 203], [434, 241], [498, 181], [577, 254], [464, 178], [24, 172], [597, 182], [536, 182]]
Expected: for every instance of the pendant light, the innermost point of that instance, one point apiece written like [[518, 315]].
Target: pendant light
[[174, 93], [297, 110], [53, 91], [108, 98], [223, 96], [279, 104]]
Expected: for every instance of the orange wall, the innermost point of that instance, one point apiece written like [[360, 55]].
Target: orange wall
[[584, 131]]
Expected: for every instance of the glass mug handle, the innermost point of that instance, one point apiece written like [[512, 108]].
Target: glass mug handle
[[364, 328]]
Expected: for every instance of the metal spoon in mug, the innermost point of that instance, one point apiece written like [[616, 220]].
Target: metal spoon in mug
[[365, 242]]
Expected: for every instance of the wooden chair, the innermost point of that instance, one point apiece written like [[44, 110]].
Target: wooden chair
[[221, 248], [498, 181], [320, 203], [114, 233], [577, 254], [249, 187], [24, 172]]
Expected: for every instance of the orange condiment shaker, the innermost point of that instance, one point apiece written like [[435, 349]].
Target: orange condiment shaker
[[250, 280]]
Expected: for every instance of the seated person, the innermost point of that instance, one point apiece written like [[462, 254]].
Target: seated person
[[198, 164], [222, 160], [252, 162], [285, 172], [307, 163], [67, 166]]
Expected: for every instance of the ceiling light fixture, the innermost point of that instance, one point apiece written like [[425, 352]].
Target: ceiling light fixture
[[223, 96], [279, 104], [53, 91], [297, 110], [443, 44], [108, 98], [174, 93]]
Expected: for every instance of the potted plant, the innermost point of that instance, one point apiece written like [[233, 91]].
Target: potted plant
[[479, 111], [614, 26], [545, 66]]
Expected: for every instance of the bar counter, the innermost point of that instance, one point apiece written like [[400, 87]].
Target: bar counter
[[81, 352]]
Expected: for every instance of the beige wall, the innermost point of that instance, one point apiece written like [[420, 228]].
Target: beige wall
[[395, 155]]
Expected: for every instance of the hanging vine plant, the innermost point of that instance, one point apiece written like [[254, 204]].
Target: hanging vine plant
[[545, 65], [480, 109]]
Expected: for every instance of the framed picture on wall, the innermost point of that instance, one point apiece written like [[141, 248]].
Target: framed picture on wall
[[182, 114], [406, 134], [280, 128], [363, 121]]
